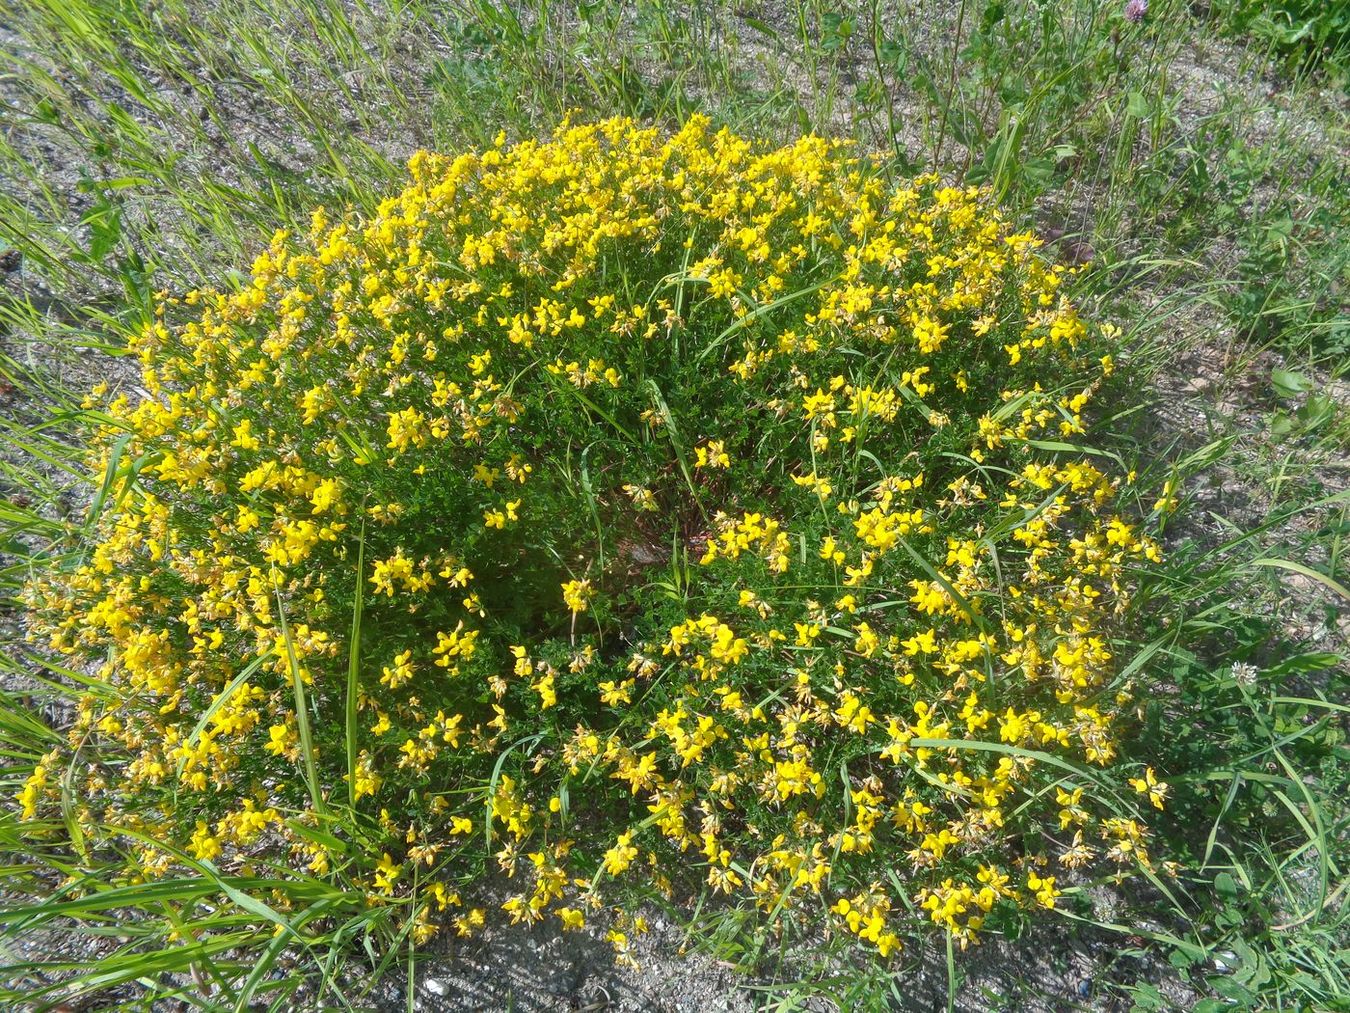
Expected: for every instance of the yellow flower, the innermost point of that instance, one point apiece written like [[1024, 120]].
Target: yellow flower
[[469, 923], [203, 845], [577, 594], [929, 334], [621, 855], [243, 436], [386, 873], [867, 641], [712, 455], [1043, 888], [325, 495], [281, 739], [572, 919], [612, 694], [1150, 785], [548, 695]]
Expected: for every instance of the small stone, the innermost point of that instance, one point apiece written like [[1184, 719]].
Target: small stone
[[435, 986]]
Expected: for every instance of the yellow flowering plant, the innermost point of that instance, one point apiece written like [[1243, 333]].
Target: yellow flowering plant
[[621, 512]]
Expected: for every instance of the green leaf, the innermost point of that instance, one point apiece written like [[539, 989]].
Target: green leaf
[[354, 666], [1289, 384], [1230, 988], [301, 713], [1306, 571], [1301, 664]]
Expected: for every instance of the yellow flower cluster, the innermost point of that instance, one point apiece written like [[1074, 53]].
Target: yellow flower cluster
[[669, 510]]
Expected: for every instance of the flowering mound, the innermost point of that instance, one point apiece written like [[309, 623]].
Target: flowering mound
[[629, 513]]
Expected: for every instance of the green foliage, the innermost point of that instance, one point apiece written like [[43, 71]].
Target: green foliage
[[1305, 31]]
